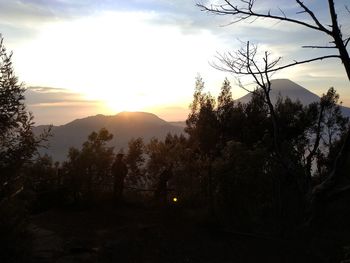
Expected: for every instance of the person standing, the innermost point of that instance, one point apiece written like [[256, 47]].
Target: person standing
[[161, 191]]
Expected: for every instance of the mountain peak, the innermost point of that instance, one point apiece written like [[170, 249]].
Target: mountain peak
[[292, 90], [285, 83], [286, 88]]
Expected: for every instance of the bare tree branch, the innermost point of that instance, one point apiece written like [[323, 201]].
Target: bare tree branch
[[326, 47], [312, 15], [232, 65], [246, 12], [244, 63], [346, 41], [338, 38], [313, 152]]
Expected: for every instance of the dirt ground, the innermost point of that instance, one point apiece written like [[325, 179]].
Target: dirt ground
[[144, 234]]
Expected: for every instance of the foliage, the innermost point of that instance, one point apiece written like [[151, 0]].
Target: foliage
[[244, 151], [202, 115], [134, 160], [175, 155], [43, 173], [87, 171]]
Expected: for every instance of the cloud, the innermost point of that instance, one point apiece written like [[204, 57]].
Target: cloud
[[47, 95], [59, 106], [184, 14]]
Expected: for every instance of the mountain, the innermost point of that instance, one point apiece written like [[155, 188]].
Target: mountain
[[288, 88], [123, 126]]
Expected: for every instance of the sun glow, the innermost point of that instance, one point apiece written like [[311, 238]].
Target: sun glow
[[125, 59], [135, 103]]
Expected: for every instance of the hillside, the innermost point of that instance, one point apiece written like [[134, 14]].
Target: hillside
[[123, 126]]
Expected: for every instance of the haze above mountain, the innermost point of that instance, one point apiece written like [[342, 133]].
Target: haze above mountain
[[127, 125]]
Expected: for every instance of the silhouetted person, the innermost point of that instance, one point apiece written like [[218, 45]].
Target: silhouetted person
[[119, 171], [161, 191]]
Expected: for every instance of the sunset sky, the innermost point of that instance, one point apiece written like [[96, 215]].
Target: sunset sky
[[84, 57]]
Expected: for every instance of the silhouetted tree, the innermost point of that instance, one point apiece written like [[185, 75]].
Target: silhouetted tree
[[88, 169], [244, 156], [17, 147], [226, 113], [17, 141], [74, 174], [43, 174], [198, 97], [332, 131], [158, 158], [134, 160], [119, 172], [185, 179]]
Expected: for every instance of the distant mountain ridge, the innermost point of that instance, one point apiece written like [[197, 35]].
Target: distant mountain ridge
[[290, 89], [127, 125], [124, 126]]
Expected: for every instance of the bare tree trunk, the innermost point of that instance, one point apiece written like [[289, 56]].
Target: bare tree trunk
[[338, 39], [327, 187]]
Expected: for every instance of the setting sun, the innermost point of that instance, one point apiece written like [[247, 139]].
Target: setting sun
[[135, 103]]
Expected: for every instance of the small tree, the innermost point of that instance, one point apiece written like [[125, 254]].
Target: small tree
[[225, 112], [202, 115]]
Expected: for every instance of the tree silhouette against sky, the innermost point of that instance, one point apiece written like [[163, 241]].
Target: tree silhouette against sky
[[245, 62]]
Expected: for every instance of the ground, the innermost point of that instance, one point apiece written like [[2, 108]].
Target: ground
[[130, 233]]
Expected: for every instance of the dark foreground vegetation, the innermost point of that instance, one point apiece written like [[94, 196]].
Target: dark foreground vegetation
[[246, 183]]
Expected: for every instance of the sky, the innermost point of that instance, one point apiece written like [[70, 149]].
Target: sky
[[79, 58]]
